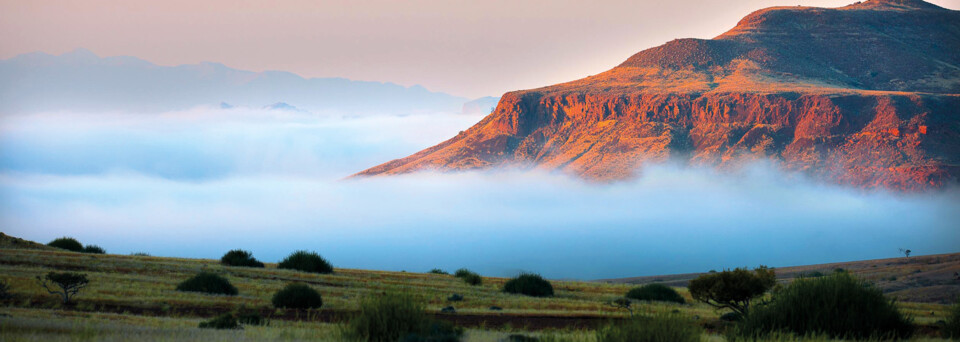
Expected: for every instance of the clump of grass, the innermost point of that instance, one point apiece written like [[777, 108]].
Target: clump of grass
[[206, 282], [469, 276], [225, 321], [529, 284], [655, 292], [306, 262], [952, 327], [838, 306], [396, 317], [659, 328], [241, 258], [94, 249], [67, 243], [297, 296]]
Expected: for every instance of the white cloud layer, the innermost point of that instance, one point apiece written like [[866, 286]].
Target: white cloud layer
[[201, 182]]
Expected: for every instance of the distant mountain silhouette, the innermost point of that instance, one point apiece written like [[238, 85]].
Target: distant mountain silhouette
[[866, 95], [483, 105], [82, 81]]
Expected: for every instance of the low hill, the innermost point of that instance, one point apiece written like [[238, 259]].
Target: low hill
[[926, 278]]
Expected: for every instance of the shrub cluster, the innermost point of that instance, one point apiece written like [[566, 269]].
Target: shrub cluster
[[438, 271], [71, 244], [297, 296], [239, 257], [469, 276], [306, 262], [838, 305], [225, 321], [206, 282], [397, 317], [655, 292], [529, 284], [659, 328]]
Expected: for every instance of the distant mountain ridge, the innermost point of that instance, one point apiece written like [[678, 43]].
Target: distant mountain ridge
[[82, 81], [865, 95]]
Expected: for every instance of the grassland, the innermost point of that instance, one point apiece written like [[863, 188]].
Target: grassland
[[133, 297]]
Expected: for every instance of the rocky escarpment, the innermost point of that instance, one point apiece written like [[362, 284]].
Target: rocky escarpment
[[866, 95]]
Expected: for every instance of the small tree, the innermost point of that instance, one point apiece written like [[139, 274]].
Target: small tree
[[732, 289], [905, 252], [67, 284]]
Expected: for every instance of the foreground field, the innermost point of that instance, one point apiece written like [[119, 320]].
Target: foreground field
[[133, 297]]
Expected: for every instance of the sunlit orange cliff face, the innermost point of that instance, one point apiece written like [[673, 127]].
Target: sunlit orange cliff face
[[866, 95]]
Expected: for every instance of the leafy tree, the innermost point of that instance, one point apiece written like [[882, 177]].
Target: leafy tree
[[67, 243], [732, 289], [306, 262], [905, 252], [67, 284]]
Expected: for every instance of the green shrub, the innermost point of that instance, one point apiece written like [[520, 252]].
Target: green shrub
[[665, 328], [306, 262], [732, 289], [438, 271], [952, 327], [239, 257], [396, 317], [655, 292], [297, 296], [207, 282], [469, 276], [67, 243], [94, 249], [462, 273], [225, 321], [838, 305], [529, 284]]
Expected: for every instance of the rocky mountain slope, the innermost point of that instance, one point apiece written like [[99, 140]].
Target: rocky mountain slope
[[866, 95]]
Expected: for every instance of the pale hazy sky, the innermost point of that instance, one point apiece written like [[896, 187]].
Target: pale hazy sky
[[467, 48]]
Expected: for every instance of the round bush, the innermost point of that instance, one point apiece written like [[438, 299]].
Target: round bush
[[67, 243], [239, 257], [529, 284], [473, 279], [94, 249], [655, 292], [225, 321], [838, 305], [297, 296], [207, 282], [306, 262]]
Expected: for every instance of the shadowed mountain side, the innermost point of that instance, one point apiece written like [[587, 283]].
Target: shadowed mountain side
[[864, 95]]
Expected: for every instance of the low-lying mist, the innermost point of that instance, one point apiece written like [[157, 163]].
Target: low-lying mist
[[198, 183]]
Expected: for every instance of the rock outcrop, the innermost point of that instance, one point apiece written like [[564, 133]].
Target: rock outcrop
[[866, 95]]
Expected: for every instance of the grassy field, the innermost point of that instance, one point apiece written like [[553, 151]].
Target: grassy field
[[133, 297]]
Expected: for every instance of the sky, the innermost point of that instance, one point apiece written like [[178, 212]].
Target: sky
[[199, 182], [465, 48]]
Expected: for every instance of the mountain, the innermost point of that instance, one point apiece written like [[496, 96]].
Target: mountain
[[82, 81], [865, 95]]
